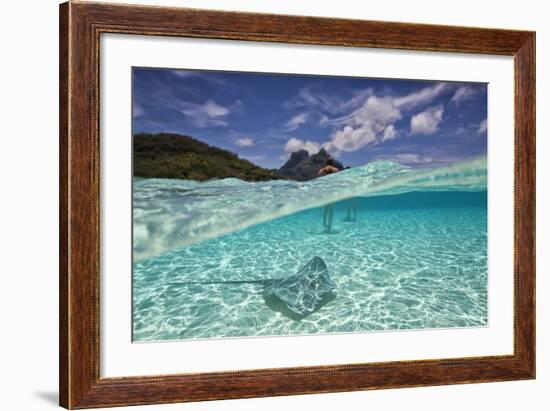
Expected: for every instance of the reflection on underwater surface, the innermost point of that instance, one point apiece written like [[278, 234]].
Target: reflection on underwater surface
[[409, 261], [170, 214]]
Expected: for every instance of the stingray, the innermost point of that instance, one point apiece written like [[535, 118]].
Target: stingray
[[295, 296]]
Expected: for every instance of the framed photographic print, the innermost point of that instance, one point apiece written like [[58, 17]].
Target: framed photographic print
[[258, 205]]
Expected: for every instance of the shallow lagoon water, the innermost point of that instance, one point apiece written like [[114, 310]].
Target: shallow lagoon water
[[413, 260]]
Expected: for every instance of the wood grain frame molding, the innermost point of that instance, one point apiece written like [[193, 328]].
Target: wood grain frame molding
[[81, 24]]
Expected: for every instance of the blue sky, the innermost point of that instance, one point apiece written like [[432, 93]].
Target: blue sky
[[263, 117]]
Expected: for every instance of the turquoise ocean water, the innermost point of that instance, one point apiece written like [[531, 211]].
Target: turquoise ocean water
[[414, 258]]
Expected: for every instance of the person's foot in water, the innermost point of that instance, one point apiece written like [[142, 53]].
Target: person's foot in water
[[351, 211], [327, 217], [329, 168]]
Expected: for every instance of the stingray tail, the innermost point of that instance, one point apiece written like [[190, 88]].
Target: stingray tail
[[221, 282]]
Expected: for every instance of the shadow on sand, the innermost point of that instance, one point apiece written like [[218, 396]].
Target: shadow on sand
[[279, 306]]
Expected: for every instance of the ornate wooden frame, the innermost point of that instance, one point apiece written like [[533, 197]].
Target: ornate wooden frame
[[80, 27]]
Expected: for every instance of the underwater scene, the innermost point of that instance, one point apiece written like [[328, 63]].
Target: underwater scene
[[284, 204], [407, 251]]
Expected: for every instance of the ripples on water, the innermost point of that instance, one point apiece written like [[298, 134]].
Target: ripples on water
[[410, 261]]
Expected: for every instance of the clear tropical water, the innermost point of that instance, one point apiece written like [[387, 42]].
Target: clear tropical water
[[416, 256]]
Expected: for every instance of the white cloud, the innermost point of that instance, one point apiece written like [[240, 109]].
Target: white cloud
[[295, 144], [244, 142], [205, 115], [324, 120], [463, 93], [389, 133], [365, 125], [204, 75], [482, 128], [296, 121], [372, 119], [327, 103], [377, 110], [137, 110], [336, 105], [427, 122], [424, 96], [412, 158], [214, 110], [185, 73], [351, 139]]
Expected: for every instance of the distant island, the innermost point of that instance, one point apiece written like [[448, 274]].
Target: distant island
[[168, 155], [302, 166]]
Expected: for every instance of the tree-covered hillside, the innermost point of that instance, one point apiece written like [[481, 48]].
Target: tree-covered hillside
[[177, 156]]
